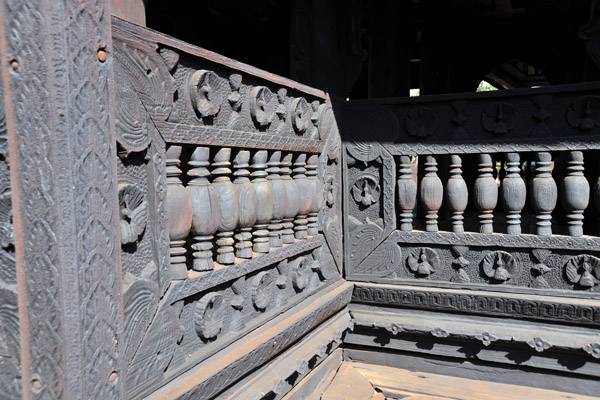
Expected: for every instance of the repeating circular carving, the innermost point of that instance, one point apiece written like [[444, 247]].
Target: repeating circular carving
[[262, 289], [366, 190], [421, 122], [499, 118], [262, 108], [584, 113], [208, 316], [301, 114], [499, 265], [301, 272], [134, 212], [205, 93], [583, 270], [423, 261]]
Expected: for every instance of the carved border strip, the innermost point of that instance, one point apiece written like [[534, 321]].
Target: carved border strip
[[513, 305], [189, 134], [200, 281], [497, 146], [500, 240], [214, 374]]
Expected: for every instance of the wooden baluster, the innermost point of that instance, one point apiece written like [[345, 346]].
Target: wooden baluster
[[279, 199], [543, 193], [513, 194], [457, 194], [179, 214], [292, 202], [264, 197], [575, 193], [227, 201], [205, 220], [432, 194], [596, 194], [305, 198], [407, 193], [247, 204], [316, 191], [485, 192]]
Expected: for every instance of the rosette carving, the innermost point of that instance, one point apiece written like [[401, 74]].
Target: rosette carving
[[301, 115], [584, 113], [423, 261], [262, 108], [205, 93], [208, 316], [499, 118], [421, 122], [262, 290], [583, 270], [301, 271], [366, 191]]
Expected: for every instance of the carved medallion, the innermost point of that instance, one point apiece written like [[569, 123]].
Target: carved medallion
[[584, 113], [262, 290], [208, 316], [366, 190], [262, 107], [205, 93], [423, 261], [134, 212], [583, 270], [499, 118], [421, 122], [499, 266]]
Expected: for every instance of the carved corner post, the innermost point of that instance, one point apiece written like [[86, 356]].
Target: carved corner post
[[57, 71]]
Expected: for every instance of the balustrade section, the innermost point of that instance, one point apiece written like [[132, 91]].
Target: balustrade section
[[495, 191]]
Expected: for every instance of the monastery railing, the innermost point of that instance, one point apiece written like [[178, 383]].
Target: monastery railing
[[488, 191]]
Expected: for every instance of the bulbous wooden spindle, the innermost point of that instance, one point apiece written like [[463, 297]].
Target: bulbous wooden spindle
[[205, 219], [279, 199], [485, 193], [457, 194], [596, 196], [227, 200], [247, 204], [316, 191], [264, 198], [179, 214], [513, 194], [292, 199], [575, 193], [407, 193], [543, 194], [432, 194], [300, 223]]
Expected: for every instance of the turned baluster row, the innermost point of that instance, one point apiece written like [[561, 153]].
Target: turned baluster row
[[252, 205], [512, 192]]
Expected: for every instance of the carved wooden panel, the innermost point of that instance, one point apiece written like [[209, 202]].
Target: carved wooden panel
[[230, 201], [494, 192]]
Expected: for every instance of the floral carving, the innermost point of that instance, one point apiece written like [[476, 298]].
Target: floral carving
[[262, 107], [235, 101], [330, 189], [301, 271], [539, 344], [7, 236], [366, 190], [301, 115], [208, 316], [486, 338], [584, 113], [538, 270], [499, 118], [460, 263], [134, 212], [583, 270], [423, 261], [592, 349], [421, 122], [499, 266], [205, 93], [262, 290]]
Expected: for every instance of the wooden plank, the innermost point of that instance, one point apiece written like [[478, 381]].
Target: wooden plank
[[452, 387], [317, 380], [348, 384]]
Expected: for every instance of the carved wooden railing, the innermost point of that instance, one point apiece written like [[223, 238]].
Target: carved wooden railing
[[495, 191], [230, 208]]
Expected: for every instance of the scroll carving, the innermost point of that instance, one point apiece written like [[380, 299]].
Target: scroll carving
[[209, 315], [262, 108], [134, 212], [205, 93]]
